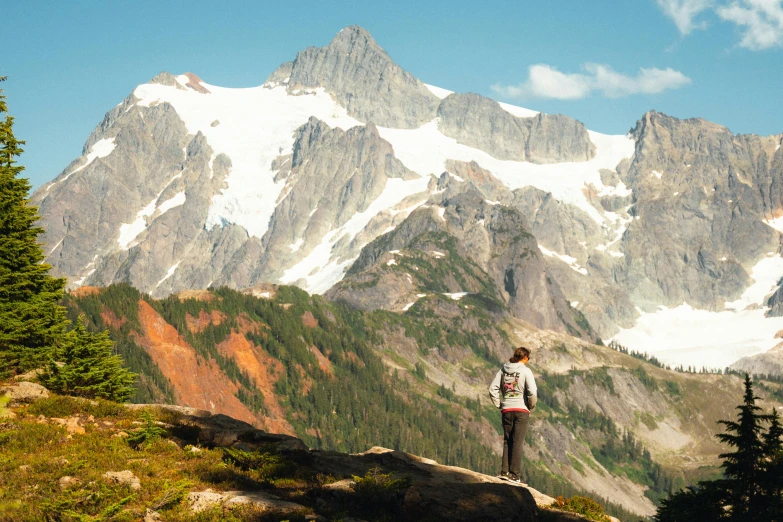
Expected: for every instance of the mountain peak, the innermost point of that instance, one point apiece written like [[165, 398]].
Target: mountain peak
[[353, 34], [359, 74]]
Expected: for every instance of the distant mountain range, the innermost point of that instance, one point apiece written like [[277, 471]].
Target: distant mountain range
[[345, 175]]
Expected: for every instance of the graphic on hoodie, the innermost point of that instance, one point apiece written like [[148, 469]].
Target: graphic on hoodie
[[510, 385]]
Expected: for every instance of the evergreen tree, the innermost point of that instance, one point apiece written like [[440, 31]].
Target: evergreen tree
[[31, 322], [704, 502], [743, 467], [772, 474], [86, 367]]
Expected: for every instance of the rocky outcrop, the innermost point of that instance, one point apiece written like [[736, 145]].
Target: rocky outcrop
[[359, 164], [483, 247], [363, 79], [482, 123], [133, 214], [23, 392], [767, 363], [701, 195]]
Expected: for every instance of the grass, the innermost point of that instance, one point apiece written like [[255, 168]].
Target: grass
[[576, 464], [35, 454]]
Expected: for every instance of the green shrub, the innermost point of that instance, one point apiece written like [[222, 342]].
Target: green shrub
[[64, 406], [148, 433], [378, 495], [584, 506]]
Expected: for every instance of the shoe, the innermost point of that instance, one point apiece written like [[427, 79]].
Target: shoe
[[504, 475], [515, 480]]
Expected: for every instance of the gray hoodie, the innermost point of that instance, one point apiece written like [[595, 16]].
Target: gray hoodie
[[514, 388]]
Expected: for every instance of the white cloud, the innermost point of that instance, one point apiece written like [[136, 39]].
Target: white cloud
[[683, 12], [762, 21], [545, 81]]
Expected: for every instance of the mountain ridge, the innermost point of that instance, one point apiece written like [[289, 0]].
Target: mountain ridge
[[626, 224]]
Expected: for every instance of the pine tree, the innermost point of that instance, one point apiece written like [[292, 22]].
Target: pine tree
[[743, 467], [772, 474], [704, 502], [86, 367], [31, 322]]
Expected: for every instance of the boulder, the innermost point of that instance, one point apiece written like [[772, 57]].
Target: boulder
[[201, 500], [24, 392], [123, 477]]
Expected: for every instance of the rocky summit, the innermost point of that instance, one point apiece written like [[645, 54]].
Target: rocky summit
[[341, 159]]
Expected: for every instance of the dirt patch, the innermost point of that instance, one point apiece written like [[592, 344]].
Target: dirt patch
[[309, 320], [195, 83], [111, 320], [246, 325], [84, 291], [355, 358], [197, 382], [198, 295], [264, 370], [204, 319], [323, 363]]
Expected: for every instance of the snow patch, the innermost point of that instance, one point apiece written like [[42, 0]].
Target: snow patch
[[776, 223], [574, 304], [438, 255], [60, 242], [130, 231], [99, 149], [256, 126], [175, 201], [657, 174], [519, 112], [458, 178], [168, 274], [391, 262], [570, 261], [319, 269], [766, 274], [425, 150], [295, 246], [408, 306], [490, 202], [456, 295], [438, 91], [691, 337]]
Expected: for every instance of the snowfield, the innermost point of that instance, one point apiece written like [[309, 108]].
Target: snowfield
[[684, 335]]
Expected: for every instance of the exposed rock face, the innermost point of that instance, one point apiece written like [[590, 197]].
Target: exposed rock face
[[504, 263], [767, 363], [24, 392], [358, 162], [479, 122], [156, 176], [362, 77], [701, 194]]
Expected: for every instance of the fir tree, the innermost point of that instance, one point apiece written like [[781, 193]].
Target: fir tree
[[704, 502], [86, 367], [772, 473], [31, 322], [743, 467]]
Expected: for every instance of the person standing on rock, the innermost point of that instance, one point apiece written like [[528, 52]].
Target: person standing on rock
[[513, 390]]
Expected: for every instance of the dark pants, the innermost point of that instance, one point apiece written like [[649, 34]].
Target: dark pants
[[514, 430]]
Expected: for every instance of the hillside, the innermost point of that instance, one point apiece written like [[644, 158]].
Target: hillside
[[73, 459], [608, 424]]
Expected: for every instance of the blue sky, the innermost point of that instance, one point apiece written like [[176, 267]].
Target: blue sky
[[603, 62]]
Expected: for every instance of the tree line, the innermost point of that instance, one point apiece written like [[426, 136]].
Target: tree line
[[35, 333]]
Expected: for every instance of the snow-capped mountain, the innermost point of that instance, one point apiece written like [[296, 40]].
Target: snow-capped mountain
[[187, 185]]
